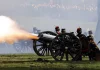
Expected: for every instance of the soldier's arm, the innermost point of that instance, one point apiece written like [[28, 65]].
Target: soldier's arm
[[95, 45]]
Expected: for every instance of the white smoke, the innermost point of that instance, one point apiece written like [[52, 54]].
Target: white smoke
[[11, 32]]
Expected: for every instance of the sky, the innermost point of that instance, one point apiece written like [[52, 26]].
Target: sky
[[46, 14], [30, 13]]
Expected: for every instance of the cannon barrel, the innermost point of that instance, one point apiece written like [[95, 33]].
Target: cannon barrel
[[44, 37]]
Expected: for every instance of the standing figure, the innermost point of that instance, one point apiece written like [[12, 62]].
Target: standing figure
[[57, 29], [84, 42], [90, 36], [63, 30], [93, 47]]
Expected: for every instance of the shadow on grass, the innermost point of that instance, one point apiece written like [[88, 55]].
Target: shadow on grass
[[14, 68], [53, 65], [50, 61], [39, 68], [15, 61]]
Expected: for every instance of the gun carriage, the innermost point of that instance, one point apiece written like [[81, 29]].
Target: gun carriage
[[49, 43], [41, 46]]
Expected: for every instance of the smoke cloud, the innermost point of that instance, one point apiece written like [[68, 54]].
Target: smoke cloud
[[11, 32]]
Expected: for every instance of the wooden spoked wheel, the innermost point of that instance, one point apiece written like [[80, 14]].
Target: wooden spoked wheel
[[63, 43], [41, 48]]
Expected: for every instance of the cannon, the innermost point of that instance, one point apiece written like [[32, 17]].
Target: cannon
[[41, 46], [49, 43]]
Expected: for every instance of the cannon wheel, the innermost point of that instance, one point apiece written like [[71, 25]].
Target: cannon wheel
[[42, 49], [63, 43]]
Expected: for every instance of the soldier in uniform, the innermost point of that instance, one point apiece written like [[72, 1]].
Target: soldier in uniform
[[57, 29], [63, 30], [93, 47], [83, 40], [90, 35]]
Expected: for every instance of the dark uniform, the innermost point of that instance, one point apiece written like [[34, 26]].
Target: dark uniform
[[63, 30], [80, 35], [90, 37], [93, 47], [84, 42]]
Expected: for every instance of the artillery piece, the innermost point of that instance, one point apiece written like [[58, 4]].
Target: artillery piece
[[41, 46], [50, 43]]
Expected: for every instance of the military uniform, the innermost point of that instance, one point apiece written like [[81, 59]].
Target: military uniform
[[83, 40], [90, 37], [57, 29], [80, 35], [93, 47]]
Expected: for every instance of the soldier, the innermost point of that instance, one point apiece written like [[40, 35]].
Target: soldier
[[57, 29], [93, 47], [63, 30], [79, 33], [83, 40], [90, 35]]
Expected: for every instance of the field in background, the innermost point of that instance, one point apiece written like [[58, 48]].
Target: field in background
[[29, 62]]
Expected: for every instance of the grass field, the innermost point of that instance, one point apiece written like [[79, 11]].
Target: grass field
[[29, 62]]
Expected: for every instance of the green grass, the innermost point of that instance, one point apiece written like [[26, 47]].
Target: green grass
[[29, 62]]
